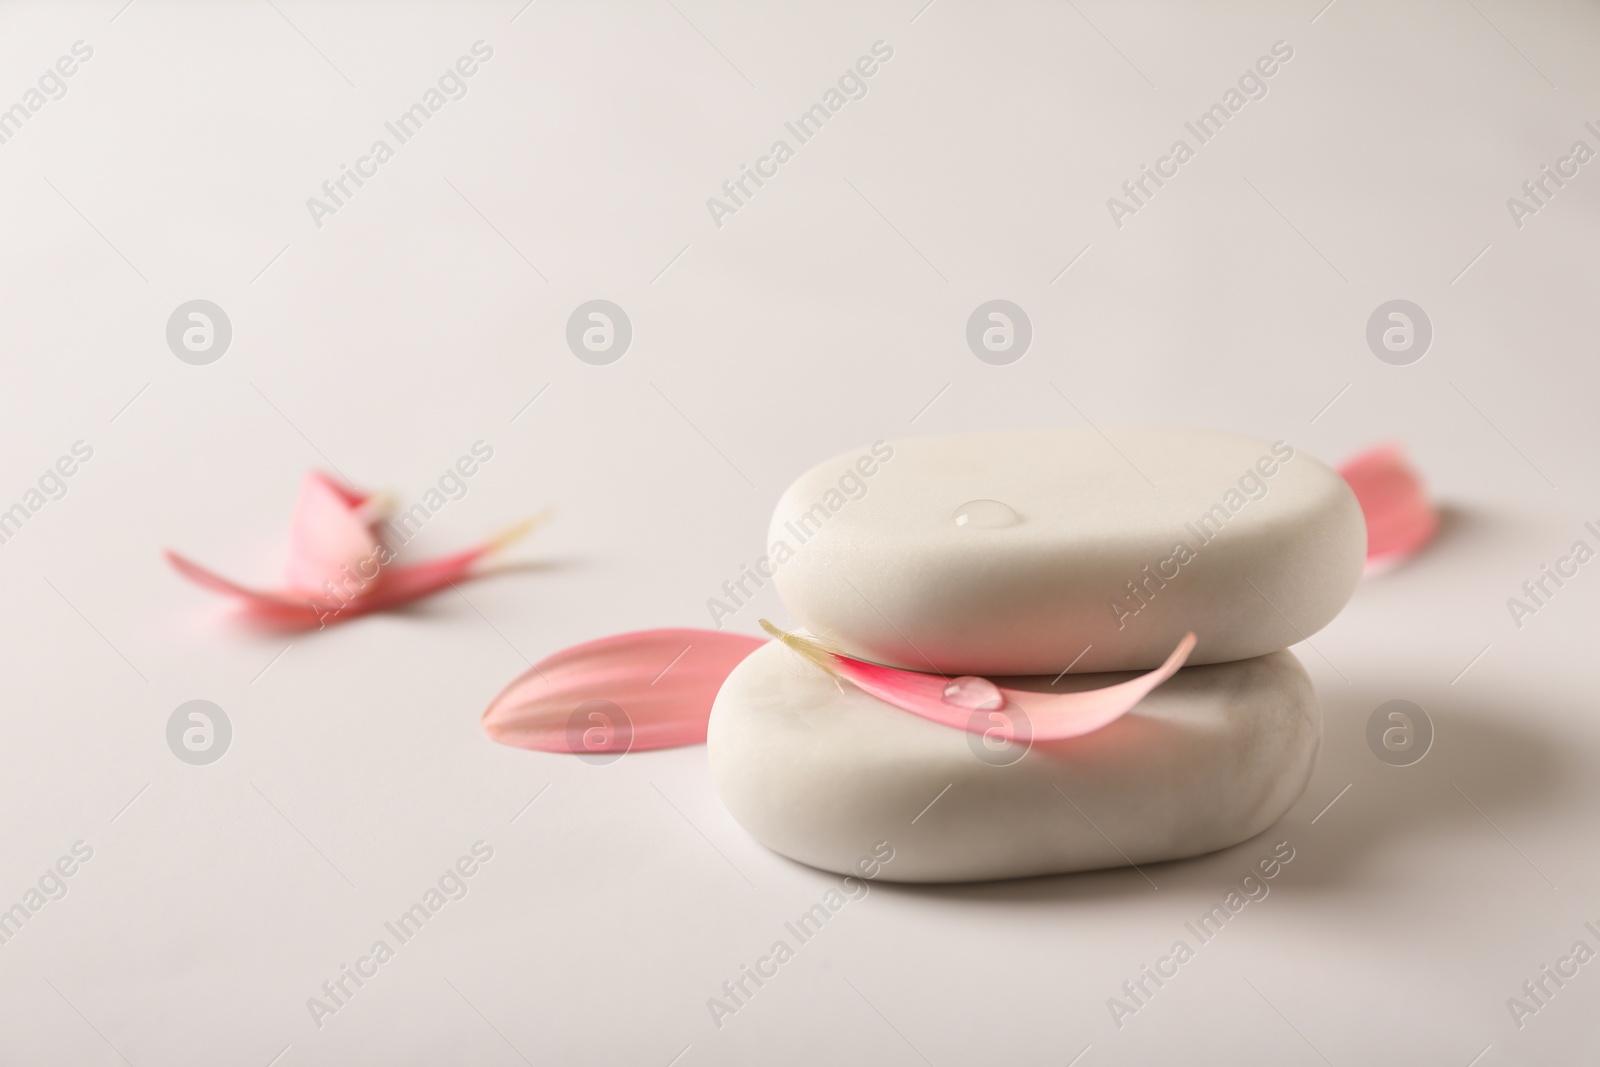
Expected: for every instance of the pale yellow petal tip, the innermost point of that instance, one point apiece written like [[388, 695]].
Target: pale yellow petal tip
[[377, 507], [515, 533], [808, 647]]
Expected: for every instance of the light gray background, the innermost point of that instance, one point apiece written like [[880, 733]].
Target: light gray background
[[829, 312]]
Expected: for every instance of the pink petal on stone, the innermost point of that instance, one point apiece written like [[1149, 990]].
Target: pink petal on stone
[[959, 703], [643, 690], [1400, 518], [1057, 716]]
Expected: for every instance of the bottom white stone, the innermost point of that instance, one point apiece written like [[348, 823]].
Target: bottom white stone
[[821, 772]]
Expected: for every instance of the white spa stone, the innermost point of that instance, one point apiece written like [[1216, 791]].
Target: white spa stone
[[1013, 553], [821, 772]]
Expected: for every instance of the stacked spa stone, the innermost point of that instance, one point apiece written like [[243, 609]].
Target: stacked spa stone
[[1047, 561]]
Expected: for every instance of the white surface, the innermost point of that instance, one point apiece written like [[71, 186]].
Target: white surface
[[406, 328], [1099, 552], [822, 772]]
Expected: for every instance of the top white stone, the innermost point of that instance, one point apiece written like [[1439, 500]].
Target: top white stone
[[1024, 553]]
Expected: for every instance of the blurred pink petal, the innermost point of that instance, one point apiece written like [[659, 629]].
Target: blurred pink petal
[[328, 537], [402, 584], [338, 566], [953, 701], [286, 606], [1400, 518], [643, 690]]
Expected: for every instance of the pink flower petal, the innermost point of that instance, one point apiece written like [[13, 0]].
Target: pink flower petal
[[1045, 716], [285, 607], [644, 690], [403, 584], [1400, 518], [338, 569], [329, 539], [299, 609], [1057, 716]]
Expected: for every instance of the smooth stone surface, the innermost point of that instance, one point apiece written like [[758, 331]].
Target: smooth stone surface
[[821, 772], [1013, 553]]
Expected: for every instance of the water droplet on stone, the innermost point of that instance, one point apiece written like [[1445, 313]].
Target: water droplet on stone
[[986, 515], [971, 692]]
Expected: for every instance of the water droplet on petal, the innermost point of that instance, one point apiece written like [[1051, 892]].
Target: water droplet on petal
[[986, 515], [971, 692]]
